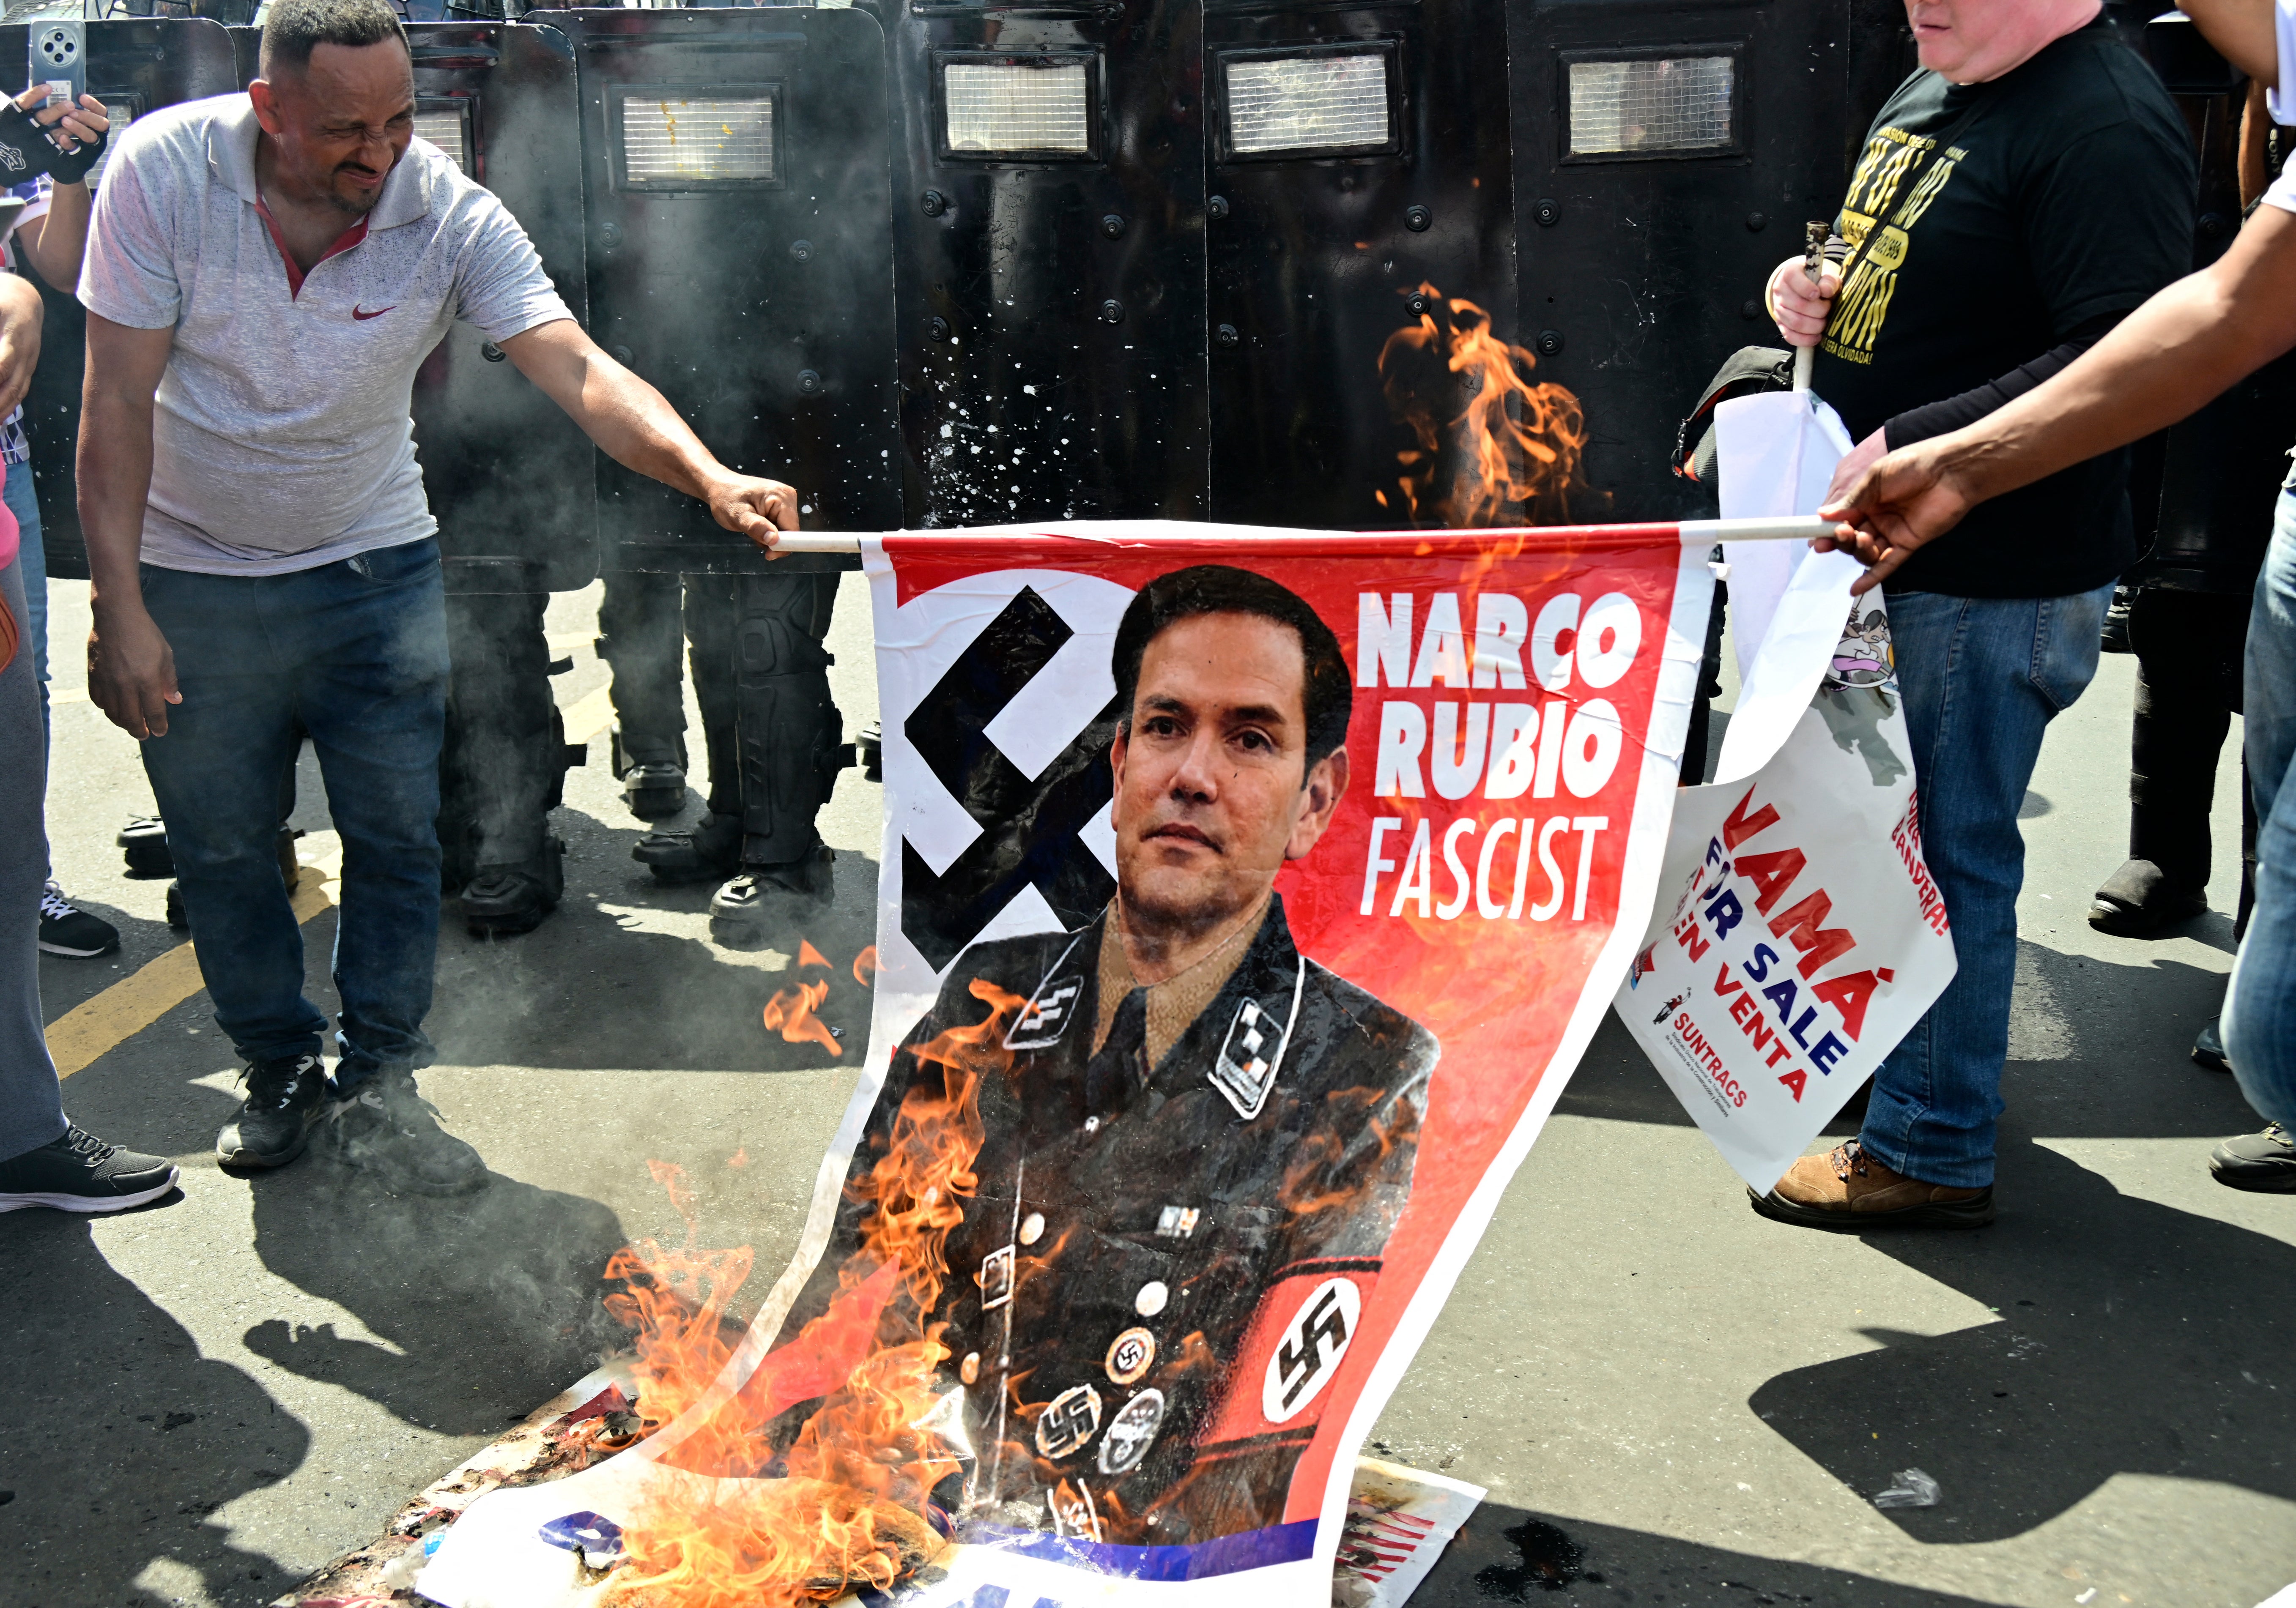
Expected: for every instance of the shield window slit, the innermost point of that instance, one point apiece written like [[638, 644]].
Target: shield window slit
[[121, 108], [1671, 105], [1310, 103], [1037, 108], [446, 123], [669, 137]]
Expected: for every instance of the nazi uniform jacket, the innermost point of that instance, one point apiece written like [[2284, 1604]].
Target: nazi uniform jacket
[[1161, 1266]]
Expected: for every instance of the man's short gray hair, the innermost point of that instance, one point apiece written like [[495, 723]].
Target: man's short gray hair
[[293, 29]]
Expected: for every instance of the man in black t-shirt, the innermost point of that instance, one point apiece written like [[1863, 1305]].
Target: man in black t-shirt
[[2031, 185]]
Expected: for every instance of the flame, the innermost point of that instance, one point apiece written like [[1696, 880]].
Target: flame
[[807, 955], [1509, 454], [866, 961], [791, 1011], [849, 1504]]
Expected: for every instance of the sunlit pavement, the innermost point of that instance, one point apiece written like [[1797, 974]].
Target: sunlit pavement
[[1671, 1399]]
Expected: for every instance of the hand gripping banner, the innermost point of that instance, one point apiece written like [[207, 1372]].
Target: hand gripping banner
[[1247, 897]]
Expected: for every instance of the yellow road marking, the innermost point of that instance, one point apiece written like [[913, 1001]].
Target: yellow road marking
[[94, 1027], [588, 717]]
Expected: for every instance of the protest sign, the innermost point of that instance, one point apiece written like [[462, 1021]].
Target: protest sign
[[1105, 1278], [1798, 935]]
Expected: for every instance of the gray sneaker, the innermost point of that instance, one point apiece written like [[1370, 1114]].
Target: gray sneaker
[[383, 1126], [79, 1172]]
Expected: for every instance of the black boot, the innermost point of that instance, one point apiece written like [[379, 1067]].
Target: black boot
[[503, 900], [386, 1128], [654, 791], [767, 901], [2139, 900], [709, 851]]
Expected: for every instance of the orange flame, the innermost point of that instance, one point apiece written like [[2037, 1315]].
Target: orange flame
[[807, 955], [847, 1505], [791, 1011], [866, 962], [1509, 454]]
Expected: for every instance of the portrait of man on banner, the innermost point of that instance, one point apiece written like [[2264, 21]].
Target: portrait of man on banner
[[1192, 1142]]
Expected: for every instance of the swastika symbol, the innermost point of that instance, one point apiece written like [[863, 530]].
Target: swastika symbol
[[1030, 827], [1319, 1337]]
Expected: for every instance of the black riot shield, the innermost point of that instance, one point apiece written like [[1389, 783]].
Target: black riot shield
[[1360, 188], [740, 258], [1665, 158], [508, 473], [132, 67], [1050, 222]]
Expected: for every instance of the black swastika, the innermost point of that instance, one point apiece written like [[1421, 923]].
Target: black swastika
[[1029, 828], [1303, 1353]]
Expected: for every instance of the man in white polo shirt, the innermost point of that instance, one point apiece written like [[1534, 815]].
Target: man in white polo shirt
[[265, 273]]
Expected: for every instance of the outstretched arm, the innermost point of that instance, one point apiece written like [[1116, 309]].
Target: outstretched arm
[[635, 426], [2185, 346]]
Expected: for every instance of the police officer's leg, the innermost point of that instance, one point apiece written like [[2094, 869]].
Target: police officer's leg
[[712, 851], [788, 734], [640, 636], [2188, 652], [502, 763]]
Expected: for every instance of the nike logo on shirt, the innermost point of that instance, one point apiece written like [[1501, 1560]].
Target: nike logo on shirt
[[362, 314]]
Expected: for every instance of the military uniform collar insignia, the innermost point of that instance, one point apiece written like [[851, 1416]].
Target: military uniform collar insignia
[[1054, 1004], [1270, 982]]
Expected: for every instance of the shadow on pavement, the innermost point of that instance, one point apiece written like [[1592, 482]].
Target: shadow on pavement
[[484, 1305], [67, 980], [1506, 1555], [121, 1439], [2133, 1338], [624, 975]]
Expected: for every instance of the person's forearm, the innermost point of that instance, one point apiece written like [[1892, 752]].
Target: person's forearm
[[2241, 30], [2160, 364], [115, 479], [57, 240], [635, 426], [1952, 413]]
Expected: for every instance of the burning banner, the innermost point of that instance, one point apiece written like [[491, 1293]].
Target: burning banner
[[1247, 898]]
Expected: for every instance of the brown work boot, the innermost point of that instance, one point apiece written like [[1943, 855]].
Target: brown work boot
[[1848, 1192]]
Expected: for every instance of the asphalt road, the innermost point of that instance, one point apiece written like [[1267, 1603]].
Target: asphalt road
[[1671, 1399]]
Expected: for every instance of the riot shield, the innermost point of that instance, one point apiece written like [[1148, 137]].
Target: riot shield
[[1049, 224], [132, 67], [1665, 158], [508, 473], [1360, 185], [740, 258]]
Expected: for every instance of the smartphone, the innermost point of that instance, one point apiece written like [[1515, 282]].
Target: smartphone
[[59, 60]]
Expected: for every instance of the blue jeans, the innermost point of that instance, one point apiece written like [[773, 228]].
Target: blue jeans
[[2260, 1011], [1982, 678], [355, 653]]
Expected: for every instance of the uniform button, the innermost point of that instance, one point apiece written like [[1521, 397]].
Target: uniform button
[[968, 1370], [1032, 1227], [1151, 1298]]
